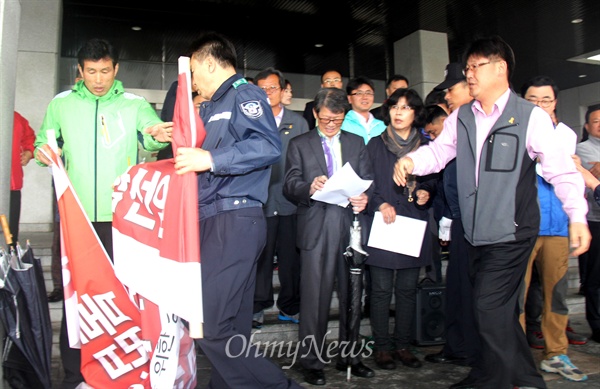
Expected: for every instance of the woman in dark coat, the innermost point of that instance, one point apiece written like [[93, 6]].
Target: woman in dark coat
[[392, 272]]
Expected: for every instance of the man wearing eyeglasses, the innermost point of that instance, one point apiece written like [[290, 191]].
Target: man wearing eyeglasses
[[280, 214], [323, 233], [359, 120], [329, 79], [546, 277], [496, 140], [396, 81]]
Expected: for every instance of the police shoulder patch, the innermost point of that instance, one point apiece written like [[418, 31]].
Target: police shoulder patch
[[252, 109]]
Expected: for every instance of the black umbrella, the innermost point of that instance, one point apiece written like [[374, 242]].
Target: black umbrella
[[355, 258], [26, 318]]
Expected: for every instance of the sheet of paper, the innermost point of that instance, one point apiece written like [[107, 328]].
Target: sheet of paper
[[404, 236], [343, 184]]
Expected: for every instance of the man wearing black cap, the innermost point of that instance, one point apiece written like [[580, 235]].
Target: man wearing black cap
[[457, 89], [462, 345]]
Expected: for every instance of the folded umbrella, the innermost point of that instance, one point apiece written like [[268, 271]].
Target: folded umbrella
[[26, 319], [355, 258]]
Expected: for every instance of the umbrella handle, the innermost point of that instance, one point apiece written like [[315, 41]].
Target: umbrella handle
[[6, 230]]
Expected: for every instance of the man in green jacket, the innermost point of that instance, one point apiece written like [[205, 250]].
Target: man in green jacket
[[98, 126]]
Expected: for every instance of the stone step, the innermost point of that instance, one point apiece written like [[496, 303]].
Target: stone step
[[273, 329]]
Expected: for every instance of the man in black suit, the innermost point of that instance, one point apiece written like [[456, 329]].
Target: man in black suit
[[280, 215], [323, 231]]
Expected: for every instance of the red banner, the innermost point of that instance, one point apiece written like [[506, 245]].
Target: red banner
[[102, 319], [155, 223], [157, 250]]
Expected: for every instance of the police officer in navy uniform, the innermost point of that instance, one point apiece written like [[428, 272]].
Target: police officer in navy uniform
[[241, 143]]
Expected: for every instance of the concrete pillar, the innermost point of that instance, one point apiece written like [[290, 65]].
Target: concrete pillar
[[37, 83], [422, 57], [10, 14]]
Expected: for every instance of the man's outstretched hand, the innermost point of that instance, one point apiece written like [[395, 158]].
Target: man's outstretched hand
[[403, 167]]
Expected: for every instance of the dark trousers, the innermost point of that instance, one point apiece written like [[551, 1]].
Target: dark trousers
[[461, 332], [56, 264], [582, 262], [321, 267], [230, 245], [402, 283], [281, 239], [434, 270], [14, 215], [71, 357], [592, 281], [498, 272]]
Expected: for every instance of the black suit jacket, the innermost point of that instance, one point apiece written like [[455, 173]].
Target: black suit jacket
[[305, 160], [292, 124], [377, 112], [309, 115]]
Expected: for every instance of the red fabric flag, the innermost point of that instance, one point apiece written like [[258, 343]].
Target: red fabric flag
[[102, 319], [156, 245], [155, 224]]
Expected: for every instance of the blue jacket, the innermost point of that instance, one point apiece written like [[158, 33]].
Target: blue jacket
[[353, 125], [554, 221], [243, 140], [452, 210]]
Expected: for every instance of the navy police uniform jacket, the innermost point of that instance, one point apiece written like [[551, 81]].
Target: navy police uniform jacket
[[242, 137]]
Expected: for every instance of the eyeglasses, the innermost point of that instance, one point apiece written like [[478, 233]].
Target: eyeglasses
[[476, 66], [326, 121], [331, 80], [362, 93], [545, 103], [401, 108], [270, 89]]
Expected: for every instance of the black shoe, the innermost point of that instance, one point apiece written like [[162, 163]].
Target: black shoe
[[55, 295], [358, 369], [384, 360], [314, 376], [467, 383], [256, 324], [596, 336], [443, 358], [407, 358]]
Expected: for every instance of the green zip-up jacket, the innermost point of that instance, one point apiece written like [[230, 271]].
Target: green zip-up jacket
[[99, 137]]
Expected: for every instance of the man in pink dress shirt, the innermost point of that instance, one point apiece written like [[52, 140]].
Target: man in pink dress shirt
[[496, 140]]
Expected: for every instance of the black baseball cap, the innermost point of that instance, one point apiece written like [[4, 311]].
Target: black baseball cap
[[454, 74]]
